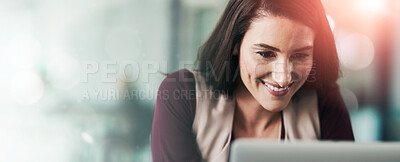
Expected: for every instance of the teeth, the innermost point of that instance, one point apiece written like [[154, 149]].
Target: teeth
[[275, 88]]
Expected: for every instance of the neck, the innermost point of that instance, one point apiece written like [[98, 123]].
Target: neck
[[250, 115]]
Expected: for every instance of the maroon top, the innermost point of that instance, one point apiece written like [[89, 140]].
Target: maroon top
[[172, 139]]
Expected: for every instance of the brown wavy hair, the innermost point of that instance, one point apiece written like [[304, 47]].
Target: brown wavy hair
[[220, 67]]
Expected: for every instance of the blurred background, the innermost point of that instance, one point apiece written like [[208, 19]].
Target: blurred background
[[79, 78]]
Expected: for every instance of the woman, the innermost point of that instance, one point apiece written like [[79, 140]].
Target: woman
[[268, 70]]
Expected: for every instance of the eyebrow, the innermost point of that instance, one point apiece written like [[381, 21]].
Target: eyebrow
[[262, 45]]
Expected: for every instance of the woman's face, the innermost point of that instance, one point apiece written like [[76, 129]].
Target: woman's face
[[276, 56]]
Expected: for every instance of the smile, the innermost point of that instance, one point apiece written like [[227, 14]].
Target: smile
[[275, 90]]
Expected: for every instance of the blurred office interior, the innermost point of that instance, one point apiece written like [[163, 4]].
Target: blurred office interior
[[79, 78]]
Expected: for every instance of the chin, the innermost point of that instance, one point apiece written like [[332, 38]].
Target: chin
[[276, 107]]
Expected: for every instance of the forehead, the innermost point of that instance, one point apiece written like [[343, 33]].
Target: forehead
[[279, 32]]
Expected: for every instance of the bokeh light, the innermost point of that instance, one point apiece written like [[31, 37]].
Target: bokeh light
[[350, 99], [356, 51], [87, 137], [27, 88], [62, 70], [371, 7], [24, 50]]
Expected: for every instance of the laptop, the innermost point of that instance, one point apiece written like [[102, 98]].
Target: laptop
[[258, 150]]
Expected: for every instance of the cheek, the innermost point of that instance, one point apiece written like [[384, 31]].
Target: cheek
[[263, 69], [253, 67], [247, 66], [303, 70]]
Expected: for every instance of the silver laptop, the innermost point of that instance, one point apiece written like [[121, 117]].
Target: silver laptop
[[256, 150]]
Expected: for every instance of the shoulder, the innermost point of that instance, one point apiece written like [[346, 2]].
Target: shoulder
[[178, 85], [177, 96], [334, 116], [182, 78], [172, 138]]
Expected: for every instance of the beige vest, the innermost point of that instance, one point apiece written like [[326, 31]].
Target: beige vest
[[213, 120]]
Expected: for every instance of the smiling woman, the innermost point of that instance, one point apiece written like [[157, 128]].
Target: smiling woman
[[275, 58], [268, 70]]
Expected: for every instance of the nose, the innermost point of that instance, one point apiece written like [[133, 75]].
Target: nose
[[282, 73]]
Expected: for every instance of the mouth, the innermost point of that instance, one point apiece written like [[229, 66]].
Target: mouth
[[276, 90]]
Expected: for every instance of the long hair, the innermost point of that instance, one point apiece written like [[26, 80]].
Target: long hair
[[216, 62]]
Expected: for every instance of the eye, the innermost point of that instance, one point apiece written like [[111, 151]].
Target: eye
[[299, 56], [267, 54]]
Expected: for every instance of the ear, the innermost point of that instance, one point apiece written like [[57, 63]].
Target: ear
[[236, 50]]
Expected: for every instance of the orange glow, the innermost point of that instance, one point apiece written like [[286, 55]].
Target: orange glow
[[371, 6]]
